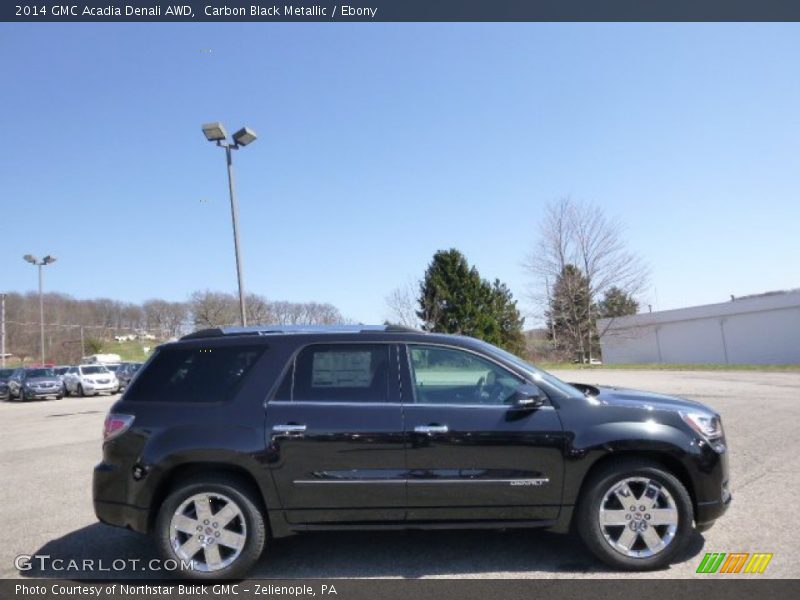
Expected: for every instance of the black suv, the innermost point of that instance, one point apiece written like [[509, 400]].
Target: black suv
[[231, 437]]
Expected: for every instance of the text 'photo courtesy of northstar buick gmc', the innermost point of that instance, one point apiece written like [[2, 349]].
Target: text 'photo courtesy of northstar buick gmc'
[[229, 438]]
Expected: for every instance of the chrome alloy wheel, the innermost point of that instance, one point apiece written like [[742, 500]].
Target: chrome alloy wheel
[[208, 529], [638, 517]]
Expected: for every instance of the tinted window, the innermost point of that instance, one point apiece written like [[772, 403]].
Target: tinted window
[[338, 373], [447, 376], [95, 370], [194, 374], [5, 373]]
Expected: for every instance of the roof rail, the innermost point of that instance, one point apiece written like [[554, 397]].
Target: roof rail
[[296, 329]]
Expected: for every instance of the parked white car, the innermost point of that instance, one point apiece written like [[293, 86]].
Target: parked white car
[[90, 380]]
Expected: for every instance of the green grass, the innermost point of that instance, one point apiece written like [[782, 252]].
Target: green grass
[[550, 366], [129, 351]]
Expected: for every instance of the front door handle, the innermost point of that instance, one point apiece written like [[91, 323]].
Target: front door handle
[[429, 429], [289, 428]]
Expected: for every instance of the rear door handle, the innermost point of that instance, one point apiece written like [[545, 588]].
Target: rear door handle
[[289, 428], [431, 429]]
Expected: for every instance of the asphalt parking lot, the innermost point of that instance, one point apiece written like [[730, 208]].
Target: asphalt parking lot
[[48, 449]]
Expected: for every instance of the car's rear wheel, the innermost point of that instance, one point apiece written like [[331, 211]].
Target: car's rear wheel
[[214, 525], [635, 515]]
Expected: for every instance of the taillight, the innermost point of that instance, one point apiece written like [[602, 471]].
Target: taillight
[[116, 425]]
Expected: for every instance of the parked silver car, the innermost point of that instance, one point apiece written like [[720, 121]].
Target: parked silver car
[[90, 380], [34, 383]]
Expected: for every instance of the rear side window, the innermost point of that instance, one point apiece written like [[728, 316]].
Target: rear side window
[[194, 374], [338, 373]]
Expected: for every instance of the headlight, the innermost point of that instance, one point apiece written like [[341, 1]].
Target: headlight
[[707, 425]]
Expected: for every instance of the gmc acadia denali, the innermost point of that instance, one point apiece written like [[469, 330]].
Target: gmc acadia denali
[[230, 437]]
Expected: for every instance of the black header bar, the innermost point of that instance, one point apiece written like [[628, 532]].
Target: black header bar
[[400, 10]]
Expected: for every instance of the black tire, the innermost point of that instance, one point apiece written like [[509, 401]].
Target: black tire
[[247, 502], [80, 391], [588, 523]]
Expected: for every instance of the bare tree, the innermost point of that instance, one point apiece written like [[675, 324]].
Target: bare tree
[[403, 304], [580, 234], [259, 310], [213, 309]]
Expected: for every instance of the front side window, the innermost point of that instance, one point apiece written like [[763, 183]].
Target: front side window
[[448, 376], [338, 373], [194, 374]]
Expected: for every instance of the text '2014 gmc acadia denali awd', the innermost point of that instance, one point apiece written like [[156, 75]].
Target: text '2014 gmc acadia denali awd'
[[230, 437]]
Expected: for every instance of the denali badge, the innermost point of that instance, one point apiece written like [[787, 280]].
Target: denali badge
[[534, 482]]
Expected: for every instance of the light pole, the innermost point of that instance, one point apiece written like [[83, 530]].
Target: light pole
[[3, 330], [215, 132], [40, 263]]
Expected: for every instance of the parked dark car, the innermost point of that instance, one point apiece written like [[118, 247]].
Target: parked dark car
[[61, 371], [126, 372], [35, 382], [4, 376], [231, 437]]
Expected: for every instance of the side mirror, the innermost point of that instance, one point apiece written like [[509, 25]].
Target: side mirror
[[527, 397]]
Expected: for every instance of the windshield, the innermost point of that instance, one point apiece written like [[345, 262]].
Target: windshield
[[112, 367], [536, 373], [61, 370], [6, 373], [30, 373], [93, 370]]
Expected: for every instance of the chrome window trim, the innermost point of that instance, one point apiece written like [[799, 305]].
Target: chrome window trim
[[319, 403]]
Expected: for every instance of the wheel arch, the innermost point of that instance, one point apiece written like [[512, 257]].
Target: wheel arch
[[665, 460], [183, 472]]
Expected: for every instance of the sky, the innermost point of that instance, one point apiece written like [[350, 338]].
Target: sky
[[382, 143]]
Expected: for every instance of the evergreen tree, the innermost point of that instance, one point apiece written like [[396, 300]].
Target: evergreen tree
[[571, 313], [617, 303], [454, 299]]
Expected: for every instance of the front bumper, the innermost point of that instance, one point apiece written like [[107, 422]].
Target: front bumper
[[99, 388], [43, 393], [712, 484], [710, 510]]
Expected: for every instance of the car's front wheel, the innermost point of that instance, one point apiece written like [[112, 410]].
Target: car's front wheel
[[635, 515], [213, 528]]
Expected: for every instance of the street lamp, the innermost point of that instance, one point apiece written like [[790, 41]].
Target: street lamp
[[40, 263], [216, 133]]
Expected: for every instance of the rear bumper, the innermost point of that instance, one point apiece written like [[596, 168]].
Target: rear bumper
[[121, 515], [105, 486]]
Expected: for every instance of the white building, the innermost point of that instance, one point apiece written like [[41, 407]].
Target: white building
[[762, 329]]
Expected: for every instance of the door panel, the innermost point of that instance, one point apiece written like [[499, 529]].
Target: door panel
[[343, 458], [479, 461]]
